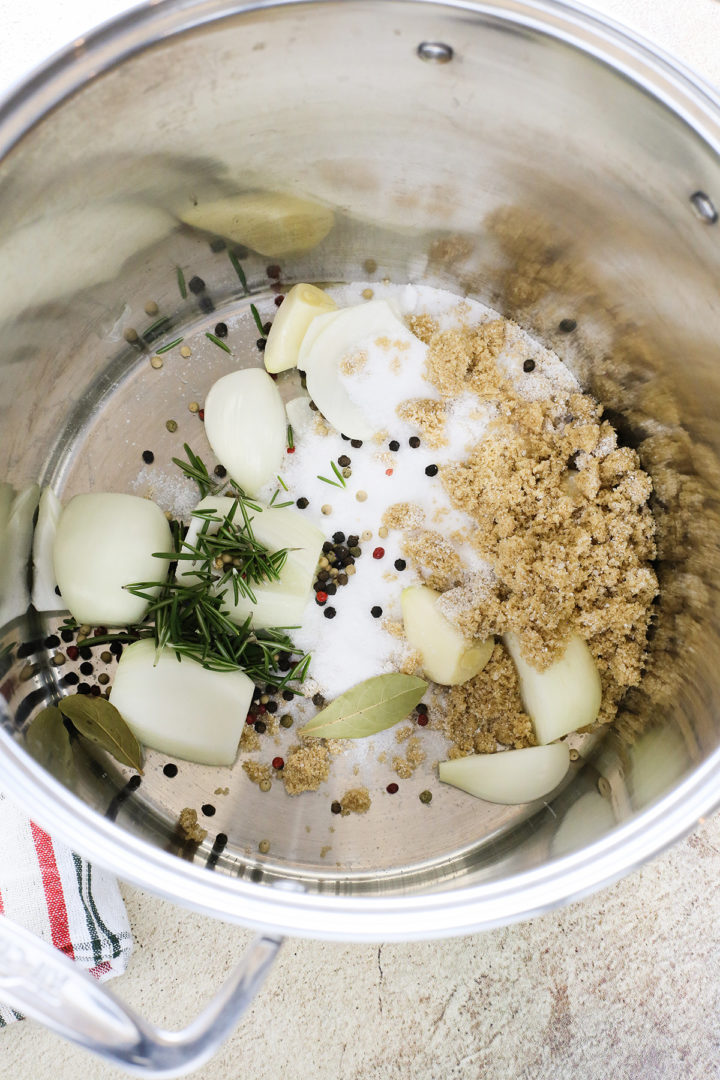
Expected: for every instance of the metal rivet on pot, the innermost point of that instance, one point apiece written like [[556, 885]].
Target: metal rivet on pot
[[704, 207], [435, 51], [603, 786]]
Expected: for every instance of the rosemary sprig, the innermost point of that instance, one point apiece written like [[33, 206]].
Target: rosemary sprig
[[170, 345], [188, 611], [216, 341], [195, 469], [339, 482], [237, 267], [258, 320], [181, 283]]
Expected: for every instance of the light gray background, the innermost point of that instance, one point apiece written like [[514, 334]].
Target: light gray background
[[624, 986]]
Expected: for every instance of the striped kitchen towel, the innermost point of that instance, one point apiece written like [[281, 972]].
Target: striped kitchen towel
[[60, 897]]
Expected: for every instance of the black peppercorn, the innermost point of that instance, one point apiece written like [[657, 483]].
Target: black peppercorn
[[339, 537], [52, 642], [335, 807], [86, 668], [431, 470], [220, 471], [271, 706], [331, 588], [302, 503], [414, 441], [528, 365], [260, 343], [260, 727], [400, 564], [353, 541], [170, 769], [85, 653], [287, 695], [394, 445], [344, 460], [148, 457], [376, 612], [327, 546], [71, 679], [566, 326], [67, 635], [116, 648], [421, 708], [357, 443], [83, 688], [196, 285], [329, 612], [221, 330], [284, 662], [318, 700]]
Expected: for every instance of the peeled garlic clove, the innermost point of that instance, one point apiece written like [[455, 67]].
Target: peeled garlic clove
[[179, 707], [510, 777], [103, 542], [281, 602], [564, 697], [44, 596], [448, 657], [342, 334], [245, 426], [301, 305], [271, 224]]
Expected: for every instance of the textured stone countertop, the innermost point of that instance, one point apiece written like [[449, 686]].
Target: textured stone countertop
[[624, 985]]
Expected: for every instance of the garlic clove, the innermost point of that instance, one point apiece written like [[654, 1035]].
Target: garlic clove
[[245, 426], [511, 777], [301, 305], [564, 697], [448, 657]]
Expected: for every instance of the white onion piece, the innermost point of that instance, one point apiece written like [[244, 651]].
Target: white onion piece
[[15, 544], [564, 697], [282, 602], [448, 657], [179, 707], [510, 777], [301, 305], [245, 426], [587, 819], [270, 223], [103, 542], [344, 333], [44, 596], [300, 416]]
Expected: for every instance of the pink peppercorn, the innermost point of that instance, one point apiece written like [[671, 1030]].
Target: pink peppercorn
[[392, 789], [72, 652], [389, 472], [422, 721], [378, 553], [277, 763]]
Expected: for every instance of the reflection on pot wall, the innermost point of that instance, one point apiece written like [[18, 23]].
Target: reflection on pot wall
[[522, 173]]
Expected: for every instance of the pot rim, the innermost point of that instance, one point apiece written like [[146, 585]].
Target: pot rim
[[361, 917]]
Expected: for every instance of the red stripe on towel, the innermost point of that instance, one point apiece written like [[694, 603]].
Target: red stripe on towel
[[54, 896]]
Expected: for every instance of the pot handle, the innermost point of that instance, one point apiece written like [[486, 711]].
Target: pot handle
[[39, 982]]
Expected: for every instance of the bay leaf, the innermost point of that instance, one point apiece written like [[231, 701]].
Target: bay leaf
[[100, 722], [369, 707], [47, 740]]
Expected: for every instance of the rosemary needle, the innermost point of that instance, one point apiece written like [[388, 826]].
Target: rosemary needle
[[181, 283], [258, 320], [216, 341]]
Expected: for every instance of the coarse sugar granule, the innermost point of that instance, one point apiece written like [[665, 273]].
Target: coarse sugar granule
[[306, 768]]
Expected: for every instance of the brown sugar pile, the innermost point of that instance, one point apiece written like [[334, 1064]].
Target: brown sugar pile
[[355, 801], [414, 756], [256, 771], [563, 523], [487, 710], [189, 827], [306, 767], [428, 416]]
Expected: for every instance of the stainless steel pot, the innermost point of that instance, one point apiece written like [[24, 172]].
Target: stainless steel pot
[[522, 151]]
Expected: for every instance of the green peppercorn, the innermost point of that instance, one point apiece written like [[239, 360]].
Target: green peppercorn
[[425, 797], [171, 425], [286, 720], [264, 847]]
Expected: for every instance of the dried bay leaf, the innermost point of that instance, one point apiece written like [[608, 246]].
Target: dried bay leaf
[[369, 707], [100, 722], [47, 740]]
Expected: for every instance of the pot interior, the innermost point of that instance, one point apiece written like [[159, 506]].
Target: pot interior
[[501, 160]]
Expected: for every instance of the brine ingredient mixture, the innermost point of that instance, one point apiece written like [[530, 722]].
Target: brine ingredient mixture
[[412, 511]]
